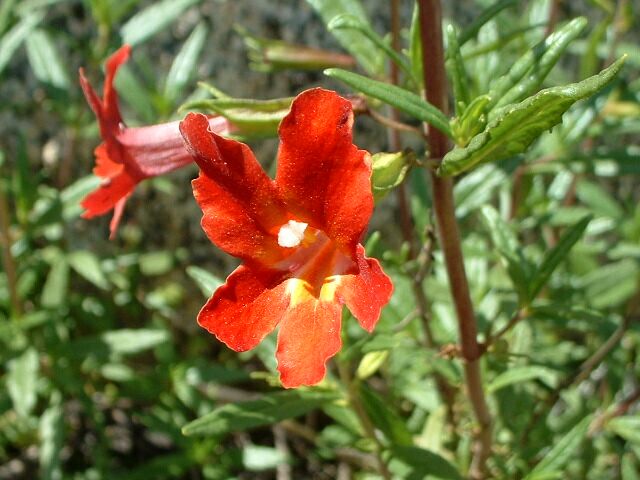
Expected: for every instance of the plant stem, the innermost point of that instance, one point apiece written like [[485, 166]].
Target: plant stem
[[365, 421], [447, 229], [7, 259]]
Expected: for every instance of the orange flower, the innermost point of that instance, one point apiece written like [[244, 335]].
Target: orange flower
[[298, 235]]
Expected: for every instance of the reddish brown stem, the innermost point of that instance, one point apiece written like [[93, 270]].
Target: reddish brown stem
[[7, 259], [442, 189]]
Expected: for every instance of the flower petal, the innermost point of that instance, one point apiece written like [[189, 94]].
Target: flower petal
[[246, 308], [324, 178], [366, 292], [242, 211], [159, 149], [110, 96], [309, 335], [106, 197]]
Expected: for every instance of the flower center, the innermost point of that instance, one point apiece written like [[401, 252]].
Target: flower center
[[291, 234]]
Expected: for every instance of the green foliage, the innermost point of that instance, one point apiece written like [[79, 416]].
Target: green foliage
[[357, 43], [397, 97], [515, 127]]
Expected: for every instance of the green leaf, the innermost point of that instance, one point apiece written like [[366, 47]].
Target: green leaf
[[554, 256], [270, 409], [422, 464], [51, 431], [22, 381], [537, 62], [131, 341], [389, 171], [517, 126], [383, 417], [185, 64], [554, 459], [471, 121], [628, 427], [135, 94], [11, 40], [207, 281], [153, 19], [610, 285], [45, 59], [350, 22], [397, 97], [74, 193], [87, 265], [55, 290], [523, 374], [506, 243], [6, 10], [457, 71], [353, 41], [484, 16]]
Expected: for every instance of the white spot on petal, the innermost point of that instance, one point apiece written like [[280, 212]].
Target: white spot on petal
[[291, 234]]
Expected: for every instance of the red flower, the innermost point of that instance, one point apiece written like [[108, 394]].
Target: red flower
[[129, 155], [298, 235]]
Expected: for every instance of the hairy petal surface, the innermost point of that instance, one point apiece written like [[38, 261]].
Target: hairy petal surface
[[309, 335], [242, 211], [323, 177], [246, 308], [366, 292]]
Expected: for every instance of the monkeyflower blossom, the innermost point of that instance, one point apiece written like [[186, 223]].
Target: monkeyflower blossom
[[127, 156], [298, 235]]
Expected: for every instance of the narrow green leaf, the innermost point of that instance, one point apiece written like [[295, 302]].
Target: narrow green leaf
[[51, 431], [516, 126], [457, 71], [486, 15], [421, 464], [554, 256], [153, 19], [523, 374], [74, 193], [415, 45], [537, 62], [350, 22], [45, 59], [6, 8], [384, 417], [55, 290], [628, 427], [207, 281], [554, 460], [135, 94], [506, 243], [131, 341], [185, 63], [397, 97], [11, 40], [88, 266], [353, 41], [270, 409], [22, 381]]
